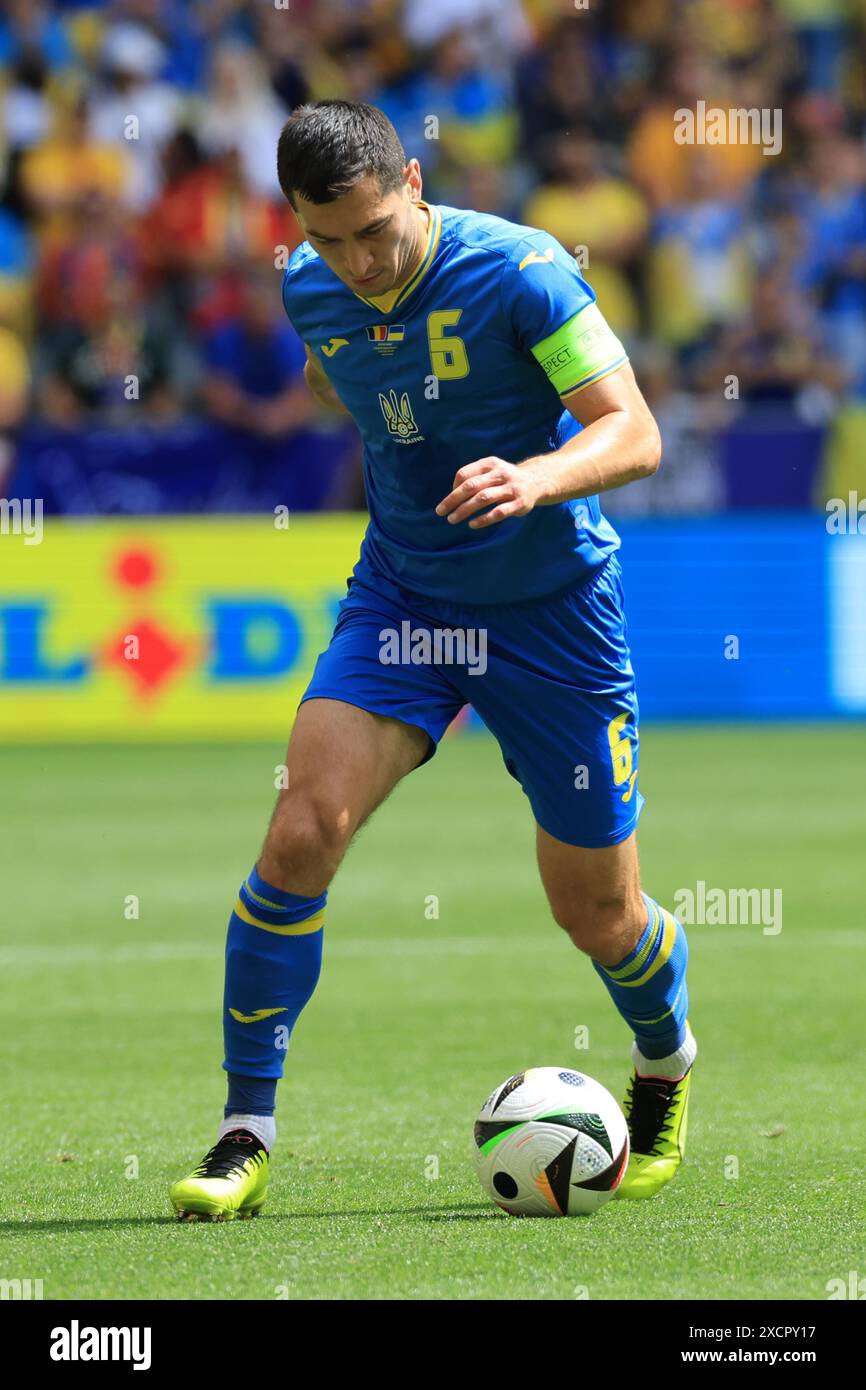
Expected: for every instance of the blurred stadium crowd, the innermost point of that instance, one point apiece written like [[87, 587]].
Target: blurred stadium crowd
[[140, 218]]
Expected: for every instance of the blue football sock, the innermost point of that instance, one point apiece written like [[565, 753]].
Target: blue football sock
[[273, 960], [251, 1095], [649, 985]]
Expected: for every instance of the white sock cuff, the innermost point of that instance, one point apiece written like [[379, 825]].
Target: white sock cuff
[[264, 1127], [673, 1066]]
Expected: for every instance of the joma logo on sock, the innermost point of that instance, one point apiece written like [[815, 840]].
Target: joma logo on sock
[[77, 1343], [257, 1016], [719, 907]]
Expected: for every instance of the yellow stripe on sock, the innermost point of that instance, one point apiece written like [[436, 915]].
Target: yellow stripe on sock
[[636, 965], [305, 928], [646, 1021], [664, 953], [265, 902]]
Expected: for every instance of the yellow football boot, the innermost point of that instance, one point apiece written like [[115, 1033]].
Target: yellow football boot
[[657, 1111], [230, 1181]]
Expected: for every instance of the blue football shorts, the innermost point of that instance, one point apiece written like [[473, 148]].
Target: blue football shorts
[[552, 679]]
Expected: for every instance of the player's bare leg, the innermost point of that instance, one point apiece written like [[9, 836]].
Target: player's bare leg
[[594, 895], [342, 763], [640, 952]]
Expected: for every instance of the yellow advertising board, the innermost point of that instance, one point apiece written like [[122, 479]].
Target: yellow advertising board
[[167, 628]]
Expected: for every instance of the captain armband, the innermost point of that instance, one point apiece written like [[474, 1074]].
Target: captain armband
[[581, 352]]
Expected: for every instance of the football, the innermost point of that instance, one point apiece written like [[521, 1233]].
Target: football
[[550, 1142]]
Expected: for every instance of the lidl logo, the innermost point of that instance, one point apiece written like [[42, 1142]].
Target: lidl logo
[[146, 651], [200, 629]]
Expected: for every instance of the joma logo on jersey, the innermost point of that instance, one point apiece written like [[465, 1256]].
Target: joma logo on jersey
[[334, 346], [399, 418], [537, 258]]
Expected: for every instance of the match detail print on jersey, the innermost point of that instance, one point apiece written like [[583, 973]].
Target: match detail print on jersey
[[581, 352]]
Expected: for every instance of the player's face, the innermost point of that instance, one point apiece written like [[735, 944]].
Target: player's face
[[372, 241]]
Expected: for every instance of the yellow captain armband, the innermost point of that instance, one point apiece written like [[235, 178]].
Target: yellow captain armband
[[581, 352]]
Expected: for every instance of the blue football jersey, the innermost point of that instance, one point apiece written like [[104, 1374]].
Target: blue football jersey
[[469, 359]]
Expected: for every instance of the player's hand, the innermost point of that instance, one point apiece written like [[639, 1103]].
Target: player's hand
[[507, 488]]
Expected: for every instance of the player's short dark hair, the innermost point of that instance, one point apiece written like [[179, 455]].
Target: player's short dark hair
[[327, 147]]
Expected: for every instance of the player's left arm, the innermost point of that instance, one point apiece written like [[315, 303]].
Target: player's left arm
[[551, 312], [619, 444]]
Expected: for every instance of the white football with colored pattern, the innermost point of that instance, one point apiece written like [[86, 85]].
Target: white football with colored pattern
[[551, 1141]]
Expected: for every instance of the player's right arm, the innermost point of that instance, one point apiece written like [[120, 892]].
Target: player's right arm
[[317, 381], [296, 295]]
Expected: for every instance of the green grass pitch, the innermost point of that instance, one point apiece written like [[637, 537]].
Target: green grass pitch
[[112, 1043]]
